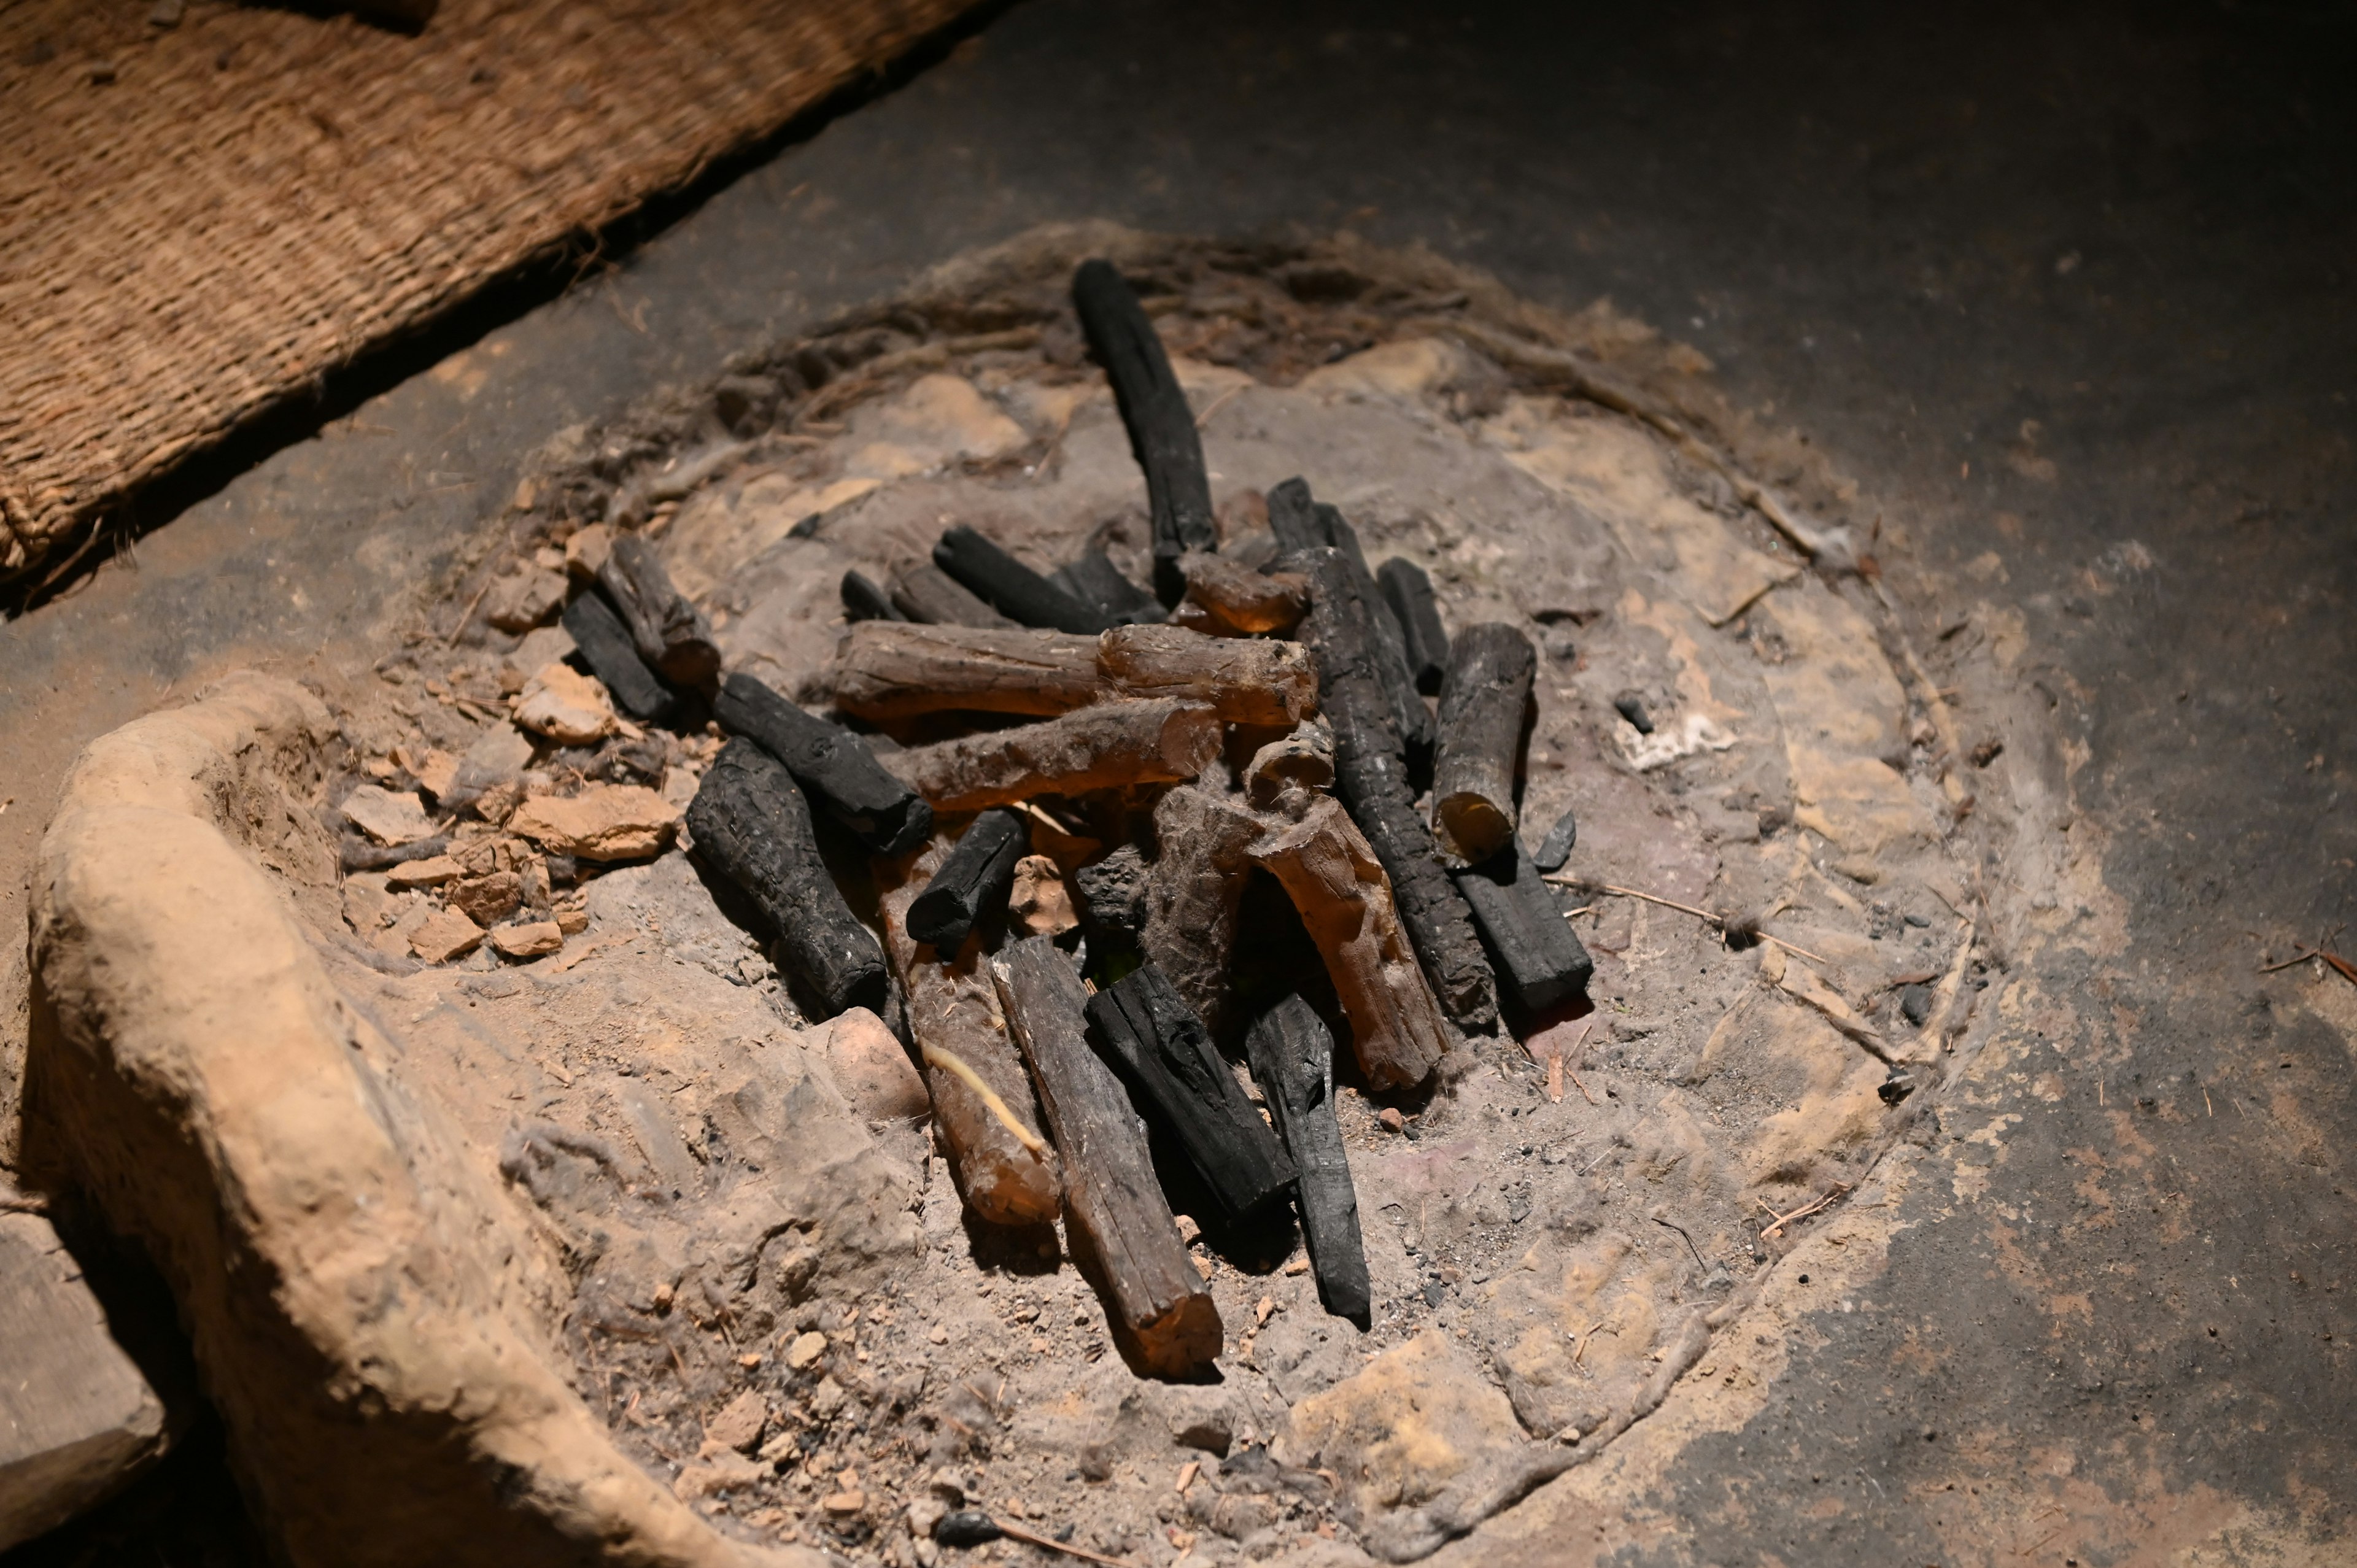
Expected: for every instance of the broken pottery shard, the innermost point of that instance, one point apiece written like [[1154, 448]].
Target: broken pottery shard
[[1110, 746], [1334, 881], [604, 646], [1162, 435], [1193, 892], [605, 822], [1241, 601], [1292, 1057], [928, 595], [971, 882], [1111, 1195], [1009, 586], [443, 935], [1094, 580], [1038, 899], [830, 763], [1560, 841], [1539, 960], [1173, 1069], [1249, 682], [863, 600], [1371, 776], [565, 705], [1482, 703], [1408, 592], [981, 1095], [668, 631], [752, 825], [387, 817]]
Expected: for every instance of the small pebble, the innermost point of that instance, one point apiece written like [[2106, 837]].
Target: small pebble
[[1393, 1121], [1560, 841]]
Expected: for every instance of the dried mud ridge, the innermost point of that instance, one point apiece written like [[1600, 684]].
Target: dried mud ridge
[[734, 1232]]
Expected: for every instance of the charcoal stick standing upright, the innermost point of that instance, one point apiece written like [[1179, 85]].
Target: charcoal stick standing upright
[[1292, 1057], [1162, 434], [1482, 705], [1371, 775], [831, 763], [972, 882], [1169, 1060], [751, 824]]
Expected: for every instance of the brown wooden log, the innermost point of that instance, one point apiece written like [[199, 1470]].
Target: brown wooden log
[[1302, 761], [891, 670], [1482, 703], [1370, 776], [670, 632], [925, 593], [1162, 435], [1194, 890], [1008, 1176], [1110, 1195], [1334, 880], [1539, 960], [1178, 1078], [751, 824], [1292, 1057], [1109, 745], [1241, 601], [973, 883], [1409, 592]]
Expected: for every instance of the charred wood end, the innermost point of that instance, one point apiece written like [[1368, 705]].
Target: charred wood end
[[829, 762], [1011, 588], [604, 646], [1482, 705], [971, 882], [1409, 592], [863, 600], [927, 594], [1539, 960], [1161, 426], [670, 633]]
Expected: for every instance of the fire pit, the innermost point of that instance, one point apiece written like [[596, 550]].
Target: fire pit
[[1259, 863]]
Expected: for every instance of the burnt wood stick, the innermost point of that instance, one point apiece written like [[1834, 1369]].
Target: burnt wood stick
[[1293, 519], [1409, 592], [1162, 435], [1481, 708], [1371, 776], [670, 633], [981, 1092], [925, 593], [1292, 1058], [890, 670], [1419, 735], [1011, 588], [972, 882], [1113, 897], [1108, 746], [1167, 1057], [1329, 873], [830, 763], [751, 825], [604, 646], [863, 600], [1094, 580], [1111, 1193], [1193, 893], [1539, 958]]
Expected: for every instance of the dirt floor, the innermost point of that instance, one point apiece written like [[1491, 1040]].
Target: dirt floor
[[2063, 295]]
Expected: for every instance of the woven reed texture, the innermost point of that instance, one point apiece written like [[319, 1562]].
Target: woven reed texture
[[198, 219]]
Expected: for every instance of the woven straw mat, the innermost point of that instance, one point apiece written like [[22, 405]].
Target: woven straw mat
[[198, 218]]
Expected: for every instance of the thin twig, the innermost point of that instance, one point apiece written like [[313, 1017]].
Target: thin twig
[[1016, 1533], [1717, 922], [1690, 1241]]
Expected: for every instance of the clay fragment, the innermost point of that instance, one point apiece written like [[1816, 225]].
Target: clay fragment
[[1408, 592], [928, 595], [565, 705], [872, 1068], [1162, 435], [1482, 705], [605, 645], [604, 821], [1110, 1195], [1106, 746], [1038, 899], [443, 935], [1539, 960], [388, 817], [487, 899], [1292, 1057], [1193, 892], [1241, 601], [1009, 586], [971, 882], [753, 827], [528, 939], [522, 599], [669, 632], [830, 763]]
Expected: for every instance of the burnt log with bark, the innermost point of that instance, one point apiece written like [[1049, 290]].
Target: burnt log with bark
[[1292, 1057], [751, 825], [605, 645], [1482, 705], [1238, 601], [1113, 897], [864, 600], [1009, 586], [928, 595], [1162, 434], [1303, 524], [1249, 680], [1111, 1196], [830, 763], [1409, 592], [1371, 776], [1095, 581], [971, 882], [669, 632], [1166, 1056], [1194, 891], [1106, 746], [1539, 958]]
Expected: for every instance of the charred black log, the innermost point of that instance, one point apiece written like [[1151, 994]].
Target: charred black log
[[606, 646], [1171, 1066], [1011, 588], [752, 826], [1113, 896], [1096, 582], [1540, 960], [1302, 523], [669, 632], [973, 881], [1409, 592], [1292, 1057], [1162, 434], [1481, 710], [831, 764], [863, 600], [927, 594]]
